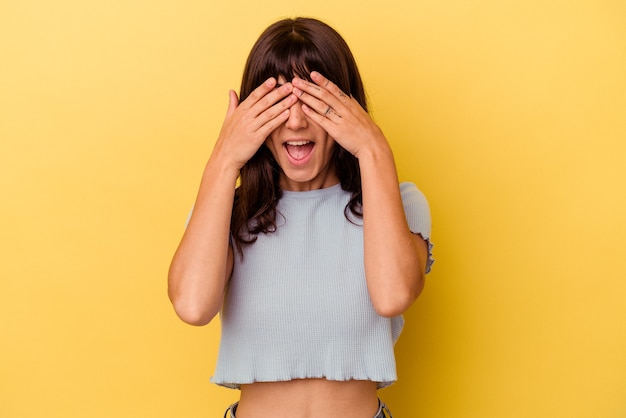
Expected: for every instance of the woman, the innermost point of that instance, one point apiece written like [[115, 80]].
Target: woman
[[313, 258]]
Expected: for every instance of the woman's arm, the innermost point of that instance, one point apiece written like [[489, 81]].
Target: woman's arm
[[203, 261], [395, 258]]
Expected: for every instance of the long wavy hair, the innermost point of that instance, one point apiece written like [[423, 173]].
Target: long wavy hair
[[288, 48]]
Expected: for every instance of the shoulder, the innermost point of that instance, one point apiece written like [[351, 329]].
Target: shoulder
[[412, 197], [417, 213], [410, 192], [416, 209]]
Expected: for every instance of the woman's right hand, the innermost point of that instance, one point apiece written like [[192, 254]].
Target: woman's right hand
[[249, 123]]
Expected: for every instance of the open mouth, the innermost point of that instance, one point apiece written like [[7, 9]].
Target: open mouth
[[298, 151]]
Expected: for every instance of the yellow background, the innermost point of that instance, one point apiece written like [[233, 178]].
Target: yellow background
[[509, 115]]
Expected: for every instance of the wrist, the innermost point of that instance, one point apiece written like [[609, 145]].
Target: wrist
[[375, 150], [221, 168]]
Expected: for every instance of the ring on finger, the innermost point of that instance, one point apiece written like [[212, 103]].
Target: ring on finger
[[328, 111]]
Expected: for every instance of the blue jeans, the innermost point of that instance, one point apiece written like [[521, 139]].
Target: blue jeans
[[383, 411]]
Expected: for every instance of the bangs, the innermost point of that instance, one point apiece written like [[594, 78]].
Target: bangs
[[293, 57]]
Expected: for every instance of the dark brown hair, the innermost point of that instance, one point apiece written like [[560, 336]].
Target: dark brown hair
[[288, 48]]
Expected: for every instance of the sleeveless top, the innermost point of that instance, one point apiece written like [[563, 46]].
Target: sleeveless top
[[297, 304]]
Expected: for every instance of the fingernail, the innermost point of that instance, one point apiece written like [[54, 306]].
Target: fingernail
[[269, 82]]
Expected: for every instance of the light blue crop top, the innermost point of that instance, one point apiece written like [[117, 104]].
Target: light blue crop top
[[297, 304]]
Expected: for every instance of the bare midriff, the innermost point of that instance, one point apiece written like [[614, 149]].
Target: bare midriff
[[308, 398]]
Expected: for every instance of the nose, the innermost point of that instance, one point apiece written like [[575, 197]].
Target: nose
[[297, 119]]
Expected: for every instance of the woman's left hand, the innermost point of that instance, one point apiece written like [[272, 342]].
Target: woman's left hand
[[341, 116]]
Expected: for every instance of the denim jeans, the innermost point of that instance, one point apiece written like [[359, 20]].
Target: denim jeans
[[383, 411]]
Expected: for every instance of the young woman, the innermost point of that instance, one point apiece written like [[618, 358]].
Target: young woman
[[315, 255]]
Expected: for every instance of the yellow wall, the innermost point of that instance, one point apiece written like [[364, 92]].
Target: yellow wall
[[510, 115]]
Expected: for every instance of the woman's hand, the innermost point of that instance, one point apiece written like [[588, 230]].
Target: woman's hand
[[394, 257], [248, 124], [341, 116]]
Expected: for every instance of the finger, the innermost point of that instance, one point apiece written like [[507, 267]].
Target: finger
[[317, 97], [273, 97], [273, 123], [233, 102], [323, 107], [320, 80], [276, 114], [259, 92], [270, 106], [317, 117]]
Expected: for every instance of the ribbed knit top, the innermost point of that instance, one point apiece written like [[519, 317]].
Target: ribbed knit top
[[297, 304]]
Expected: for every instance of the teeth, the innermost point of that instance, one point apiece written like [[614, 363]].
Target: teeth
[[297, 142]]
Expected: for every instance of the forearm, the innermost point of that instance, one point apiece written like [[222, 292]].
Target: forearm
[[203, 261], [393, 266]]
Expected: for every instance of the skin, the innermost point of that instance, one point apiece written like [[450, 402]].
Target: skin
[[395, 258]]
